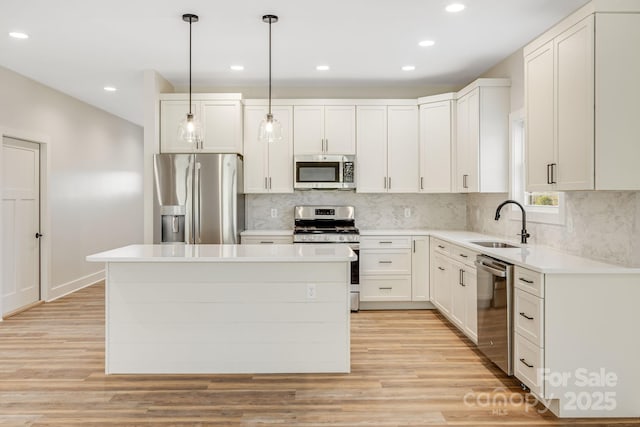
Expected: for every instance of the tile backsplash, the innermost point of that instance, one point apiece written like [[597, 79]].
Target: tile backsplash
[[601, 225], [373, 211]]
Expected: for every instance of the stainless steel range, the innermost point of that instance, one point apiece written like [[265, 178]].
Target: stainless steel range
[[331, 224]]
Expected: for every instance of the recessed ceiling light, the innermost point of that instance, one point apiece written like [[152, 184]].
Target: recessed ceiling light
[[426, 43], [408, 68], [18, 35], [110, 88], [455, 7], [322, 68], [237, 67]]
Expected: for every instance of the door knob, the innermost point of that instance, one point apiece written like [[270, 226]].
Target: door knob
[[38, 235]]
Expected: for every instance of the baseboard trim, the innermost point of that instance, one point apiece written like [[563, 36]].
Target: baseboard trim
[[21, 309], [74, 285]]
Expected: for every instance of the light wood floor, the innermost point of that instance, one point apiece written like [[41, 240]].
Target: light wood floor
[[409, 368]]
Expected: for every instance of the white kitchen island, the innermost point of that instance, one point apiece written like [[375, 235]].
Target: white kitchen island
[[227, 308]]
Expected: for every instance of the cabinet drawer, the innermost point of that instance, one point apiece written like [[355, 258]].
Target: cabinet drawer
[[530, 281], [528, 317], [267, 240], [528, 363], [394, 261], [385, 288], [441, 246], [463, 255], [385, 242]]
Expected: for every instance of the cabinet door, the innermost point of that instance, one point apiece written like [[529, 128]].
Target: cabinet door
[[256, 152], [221, 126], [539, 123], [372, 150], [420, 269], [574, 59], [308, 129], [468, 142], [171, 114], [435, 147], [471, 305], [441, 269], [458, 294], [280, 178], [402, 150], [340, 129]]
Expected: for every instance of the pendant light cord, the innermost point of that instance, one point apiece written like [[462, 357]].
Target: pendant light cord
[[270, 20], [190, 22]]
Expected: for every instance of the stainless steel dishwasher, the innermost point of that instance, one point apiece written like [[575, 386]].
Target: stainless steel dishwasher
[[495, 318]]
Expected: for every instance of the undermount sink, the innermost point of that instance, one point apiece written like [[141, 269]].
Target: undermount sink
[[494, 244]]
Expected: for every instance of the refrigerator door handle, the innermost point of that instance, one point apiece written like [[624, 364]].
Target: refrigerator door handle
[[196, 202]]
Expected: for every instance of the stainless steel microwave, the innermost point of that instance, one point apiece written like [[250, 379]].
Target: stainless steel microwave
[[324, 171]]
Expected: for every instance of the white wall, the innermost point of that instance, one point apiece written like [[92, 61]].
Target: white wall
[[602, 225], [95, 175]]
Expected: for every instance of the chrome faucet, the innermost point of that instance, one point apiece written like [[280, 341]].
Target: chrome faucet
[[523, 234]]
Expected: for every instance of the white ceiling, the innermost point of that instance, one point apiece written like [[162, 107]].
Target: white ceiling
[[80, 46]]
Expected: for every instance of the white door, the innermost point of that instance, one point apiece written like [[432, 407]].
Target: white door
[[256, 163], [435, 147], [20, 223], [371, 167], [420, 269], [171, 115], [308, 129], [340, 129], [402, 150], [221, 126], [281, 153]]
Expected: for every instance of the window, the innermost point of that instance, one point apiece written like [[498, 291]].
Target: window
[[545, 207]]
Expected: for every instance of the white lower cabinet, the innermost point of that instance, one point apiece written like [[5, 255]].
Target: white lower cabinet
[[454, 284], [394, 268], [528, 321]]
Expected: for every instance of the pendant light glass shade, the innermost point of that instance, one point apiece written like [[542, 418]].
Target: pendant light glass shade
[[190, 130], [270, 128]]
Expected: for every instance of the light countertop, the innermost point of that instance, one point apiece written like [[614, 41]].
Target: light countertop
[[227, 253]]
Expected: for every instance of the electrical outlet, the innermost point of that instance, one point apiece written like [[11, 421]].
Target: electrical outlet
[[274, 213], [407, 212], [311, 291]]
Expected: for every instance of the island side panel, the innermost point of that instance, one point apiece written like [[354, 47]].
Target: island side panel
[[235, 317], [591, 333]]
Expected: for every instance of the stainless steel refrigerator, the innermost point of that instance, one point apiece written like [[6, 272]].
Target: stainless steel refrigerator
[[199, 198]]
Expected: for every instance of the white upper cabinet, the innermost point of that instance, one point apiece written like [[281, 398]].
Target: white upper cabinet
[[268, 167], [221, 121], [482, 137], [581, 100], [326, 129], [436, 132], [387, 143]]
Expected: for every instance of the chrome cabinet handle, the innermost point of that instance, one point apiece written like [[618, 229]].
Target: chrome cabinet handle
[[525, 363], [464, 256], [462, 278], [266, 242], [464, 181], [525, 316], [414, 246], [387, 288], [522, 279], [553, 173], [385, 242], [269, 183], [440, 268], [385, 182], [422, 183], [326, 145], [266, 187], [385, 262], [549, 173], [441, 247]]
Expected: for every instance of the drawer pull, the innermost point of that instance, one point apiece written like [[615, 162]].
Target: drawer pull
[[388, 288], [522, 279], [525, 316], [524, 362], [464, 256], [441, 247], [385, 262], [386, 242], [266, 241], [440, 268]]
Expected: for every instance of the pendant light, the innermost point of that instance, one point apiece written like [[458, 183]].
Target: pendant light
[[270, 128], [190, 130]]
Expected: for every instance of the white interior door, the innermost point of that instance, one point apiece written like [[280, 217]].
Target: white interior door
[[20, 224]]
